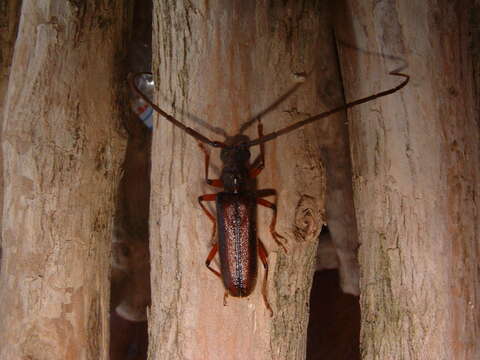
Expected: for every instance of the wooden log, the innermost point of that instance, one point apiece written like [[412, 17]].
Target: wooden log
[[217, 66], [61, 160], [416, 173], [9, 17]]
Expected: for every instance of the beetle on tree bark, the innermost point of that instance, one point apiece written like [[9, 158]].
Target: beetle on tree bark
[[237, 243]]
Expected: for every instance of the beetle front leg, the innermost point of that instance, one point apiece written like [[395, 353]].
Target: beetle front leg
[[212, 182]]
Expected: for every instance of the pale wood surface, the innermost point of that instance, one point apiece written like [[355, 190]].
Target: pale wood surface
[[416, 173], [216, 67], [9, 18], [61, 158]]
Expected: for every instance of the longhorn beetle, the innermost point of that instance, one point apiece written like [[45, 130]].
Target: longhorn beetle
[[237, 240]]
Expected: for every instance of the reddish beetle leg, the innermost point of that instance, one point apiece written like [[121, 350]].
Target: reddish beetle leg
[[263, 257], [213, 251], [274, 233]]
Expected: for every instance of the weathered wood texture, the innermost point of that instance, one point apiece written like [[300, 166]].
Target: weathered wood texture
[[61, 156], [416, 176], [9, 17], [217, 66], [340, 214], [334, 144]]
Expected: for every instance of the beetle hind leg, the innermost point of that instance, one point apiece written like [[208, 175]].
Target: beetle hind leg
[[262, 253], [225, 296]]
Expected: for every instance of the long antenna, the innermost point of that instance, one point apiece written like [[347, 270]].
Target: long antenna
[[325, 114], [272, 135], [188, 130]]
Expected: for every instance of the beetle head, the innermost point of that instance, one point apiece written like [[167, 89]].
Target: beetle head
[[236, 151], [235, 158]]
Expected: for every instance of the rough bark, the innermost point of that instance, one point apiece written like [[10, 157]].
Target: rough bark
[[61, 155], [217, 66], [9, 17], [416, 172], [340, 214]]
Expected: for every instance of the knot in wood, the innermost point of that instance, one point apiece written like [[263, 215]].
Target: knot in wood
[[308, 219]]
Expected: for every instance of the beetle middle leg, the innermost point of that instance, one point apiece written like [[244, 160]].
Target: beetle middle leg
[[276, 236], [213, 251], [210, 257]]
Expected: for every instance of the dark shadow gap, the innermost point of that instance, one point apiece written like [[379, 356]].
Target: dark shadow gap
[[334, 324], [130, 278]]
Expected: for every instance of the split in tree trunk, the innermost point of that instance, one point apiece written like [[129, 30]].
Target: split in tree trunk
[[334, 324], [130, 248]]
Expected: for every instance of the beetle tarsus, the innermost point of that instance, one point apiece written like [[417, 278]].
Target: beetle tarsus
[[275, 236], [225, 295]]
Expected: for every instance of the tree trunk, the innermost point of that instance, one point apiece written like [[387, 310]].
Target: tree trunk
[[61, 157], [9, 16], [416, 172], [218, 66]]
